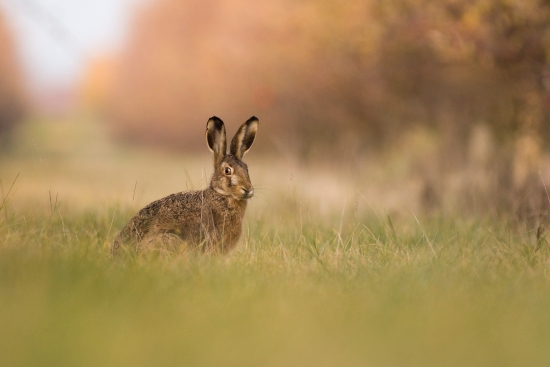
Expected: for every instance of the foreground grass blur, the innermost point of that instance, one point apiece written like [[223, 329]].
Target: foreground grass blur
[[466, 293], [309, 285]]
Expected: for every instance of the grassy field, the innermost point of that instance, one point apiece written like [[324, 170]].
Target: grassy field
[[330, 271]]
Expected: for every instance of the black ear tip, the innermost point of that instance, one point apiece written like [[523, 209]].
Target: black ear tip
[[218, 123], [252, 119]]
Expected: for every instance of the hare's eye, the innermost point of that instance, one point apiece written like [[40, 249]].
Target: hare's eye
[[228, 171]]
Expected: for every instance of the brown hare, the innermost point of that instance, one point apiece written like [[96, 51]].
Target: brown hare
[[209, 219]]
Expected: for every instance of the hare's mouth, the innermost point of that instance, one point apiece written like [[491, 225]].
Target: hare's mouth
[[247, 194]]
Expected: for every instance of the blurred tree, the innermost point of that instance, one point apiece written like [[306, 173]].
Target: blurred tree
[[187, 61], [355, 74], [477, 62], [12, 99], [97, 84]]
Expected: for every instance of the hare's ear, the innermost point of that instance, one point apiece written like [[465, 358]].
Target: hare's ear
[[215, 138], [243, 139]]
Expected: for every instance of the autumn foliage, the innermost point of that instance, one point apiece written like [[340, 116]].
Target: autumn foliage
[[356, 75], [12, 99]]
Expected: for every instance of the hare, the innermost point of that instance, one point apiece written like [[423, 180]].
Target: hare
[[209, 219]]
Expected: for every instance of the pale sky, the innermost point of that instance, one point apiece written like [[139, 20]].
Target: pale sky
[[56, 38]]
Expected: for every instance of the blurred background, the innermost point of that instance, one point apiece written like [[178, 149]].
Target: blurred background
[[419, 104]]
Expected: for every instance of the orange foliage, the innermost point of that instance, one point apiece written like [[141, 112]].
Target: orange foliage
[[97, 84], [12, 103], [314, 69]]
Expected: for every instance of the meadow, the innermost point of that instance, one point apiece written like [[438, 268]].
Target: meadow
[[337, 266]]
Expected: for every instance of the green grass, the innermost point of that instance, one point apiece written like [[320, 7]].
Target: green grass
[[322, 276], [465, 293]]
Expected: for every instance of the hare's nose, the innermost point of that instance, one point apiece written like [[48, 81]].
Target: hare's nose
[[248, 193]]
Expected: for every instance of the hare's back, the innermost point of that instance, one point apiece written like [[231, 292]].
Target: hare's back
[[175, 205], [178, 213]]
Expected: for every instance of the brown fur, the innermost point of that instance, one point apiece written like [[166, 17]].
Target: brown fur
[[209, 219]]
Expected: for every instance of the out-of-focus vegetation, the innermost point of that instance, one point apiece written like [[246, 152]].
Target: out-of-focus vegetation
[[12, 98], [97, 85], [315, 68], [334, 80], [360, 293]]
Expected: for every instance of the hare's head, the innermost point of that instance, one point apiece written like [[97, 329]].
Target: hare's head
[[230, 172]]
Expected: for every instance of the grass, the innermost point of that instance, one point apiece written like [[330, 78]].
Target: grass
[[311, 284], [370, 297]]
